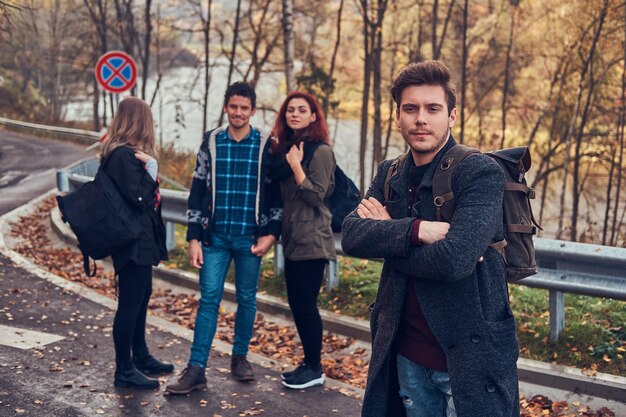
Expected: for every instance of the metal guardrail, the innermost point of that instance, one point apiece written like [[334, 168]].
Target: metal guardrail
[[564, 267], [85, 136]]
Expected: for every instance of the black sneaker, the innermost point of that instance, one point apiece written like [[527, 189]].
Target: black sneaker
[[304, 377], [287, 374], [150, 365]]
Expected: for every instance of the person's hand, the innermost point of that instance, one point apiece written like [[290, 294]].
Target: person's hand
[[372, 209], [195, 254], [431, 232], [142, 156], [263, 245], [295, 154]]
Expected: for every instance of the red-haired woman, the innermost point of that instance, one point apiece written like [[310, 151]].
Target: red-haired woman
[[304, 163]]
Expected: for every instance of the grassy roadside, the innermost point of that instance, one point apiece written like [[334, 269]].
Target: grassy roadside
[[594, 338]]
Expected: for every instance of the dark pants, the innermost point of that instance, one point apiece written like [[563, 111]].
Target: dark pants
[[304, 279], [129, 326]]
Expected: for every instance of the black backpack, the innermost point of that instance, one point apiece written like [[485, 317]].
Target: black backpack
[[345, 197], [517, 247], [102, 221]]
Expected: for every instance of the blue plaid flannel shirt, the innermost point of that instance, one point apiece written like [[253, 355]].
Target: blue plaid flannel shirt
[[236, 179]]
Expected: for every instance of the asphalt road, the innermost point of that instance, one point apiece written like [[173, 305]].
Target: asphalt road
[[28, 166], [72, 376]]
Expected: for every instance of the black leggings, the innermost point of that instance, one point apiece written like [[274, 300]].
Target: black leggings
[[304, 279], [129, 325]]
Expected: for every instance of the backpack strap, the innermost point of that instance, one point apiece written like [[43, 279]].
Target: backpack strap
[[312, 147], [396, 166], [86, 266], [442, 180]]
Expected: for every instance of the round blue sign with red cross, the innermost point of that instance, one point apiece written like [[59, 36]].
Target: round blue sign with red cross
[[116, 72]]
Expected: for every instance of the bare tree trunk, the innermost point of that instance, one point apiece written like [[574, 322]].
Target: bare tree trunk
[[433, 33], [392, 71], [329, 87], [96, 105], [127, 30], [583, 74], [551, 135], [609, 188], [206, 30], [158, 70], [376, 69], [620, 165], [309, 55], [464, 71], [104, 109], [259, 54], [559, 74], [289, 43], [415, 51], [98, 15], [367, 70], [147, 43], [507, 72], [233, 51], [576, 189], [442, 38]]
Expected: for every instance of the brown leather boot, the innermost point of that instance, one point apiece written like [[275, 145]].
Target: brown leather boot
[[241, 369], [192, 378]]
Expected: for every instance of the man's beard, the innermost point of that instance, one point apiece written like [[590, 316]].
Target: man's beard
[[437, 146]]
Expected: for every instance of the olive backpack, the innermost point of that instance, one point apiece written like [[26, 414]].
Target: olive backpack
[[519, 224]]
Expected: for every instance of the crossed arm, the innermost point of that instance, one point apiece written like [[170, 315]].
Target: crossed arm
[[444, 254]]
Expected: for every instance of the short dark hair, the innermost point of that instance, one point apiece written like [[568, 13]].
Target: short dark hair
[[242, 89], [425, 73]]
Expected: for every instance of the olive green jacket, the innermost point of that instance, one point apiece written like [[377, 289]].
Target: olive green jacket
[[306, 232]]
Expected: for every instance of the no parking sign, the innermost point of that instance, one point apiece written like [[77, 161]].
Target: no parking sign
[[116, 72]]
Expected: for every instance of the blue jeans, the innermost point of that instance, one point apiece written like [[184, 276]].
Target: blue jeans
[[424, 392], [217, 259]]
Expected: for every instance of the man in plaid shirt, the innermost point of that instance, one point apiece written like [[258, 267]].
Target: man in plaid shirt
[[233, 213]]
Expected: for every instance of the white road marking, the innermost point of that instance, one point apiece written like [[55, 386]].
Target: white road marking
[[26, 339]]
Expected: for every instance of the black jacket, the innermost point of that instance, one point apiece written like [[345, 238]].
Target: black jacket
[[137, 187]]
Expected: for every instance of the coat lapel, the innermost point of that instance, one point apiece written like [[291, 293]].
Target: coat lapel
[[397, 205]]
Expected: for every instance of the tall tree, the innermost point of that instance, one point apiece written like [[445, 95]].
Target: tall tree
[[377, 31], [437, 45], [464, 70], [616, 225], [97, 10], [289, 48], [368, 43], [233, 52], [205, 22], [586, 63], [329, 85], [507, 68], [263, 23], [147, 43]]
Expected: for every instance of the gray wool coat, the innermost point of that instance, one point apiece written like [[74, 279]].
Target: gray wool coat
[[464, 299]]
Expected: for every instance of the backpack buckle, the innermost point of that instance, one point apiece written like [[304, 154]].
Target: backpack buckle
[[446, 164]]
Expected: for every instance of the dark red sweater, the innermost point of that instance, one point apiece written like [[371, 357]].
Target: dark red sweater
[[416, 341]]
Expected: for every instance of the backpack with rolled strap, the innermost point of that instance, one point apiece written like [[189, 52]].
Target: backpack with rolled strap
[[100, 217], [519, 224]]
